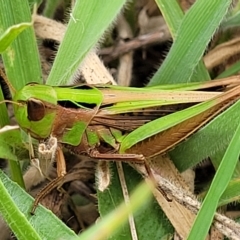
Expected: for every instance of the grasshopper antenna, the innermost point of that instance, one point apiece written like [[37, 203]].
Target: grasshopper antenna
[[10, 101]]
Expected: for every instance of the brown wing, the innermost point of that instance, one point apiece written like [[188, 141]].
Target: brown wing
[[123, 123], [130, 121]]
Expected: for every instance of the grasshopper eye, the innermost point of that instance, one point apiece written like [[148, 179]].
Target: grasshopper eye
[[35, 110]]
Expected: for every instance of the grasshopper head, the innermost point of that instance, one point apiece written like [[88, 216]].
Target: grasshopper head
[[36, 109]]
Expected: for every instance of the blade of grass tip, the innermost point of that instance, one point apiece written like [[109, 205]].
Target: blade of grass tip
[[88, 21], [220, 182], [193, 35]]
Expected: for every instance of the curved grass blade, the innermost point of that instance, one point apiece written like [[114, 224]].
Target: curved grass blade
[[7, 206], [221, 179]]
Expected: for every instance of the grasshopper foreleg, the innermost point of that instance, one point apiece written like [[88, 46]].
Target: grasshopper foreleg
[[61, 172]]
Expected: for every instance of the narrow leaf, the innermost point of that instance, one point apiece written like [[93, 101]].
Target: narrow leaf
[[173, 15], [221, 179]]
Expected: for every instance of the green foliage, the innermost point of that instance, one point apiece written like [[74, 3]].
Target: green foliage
[[221, 178], [40, 226]]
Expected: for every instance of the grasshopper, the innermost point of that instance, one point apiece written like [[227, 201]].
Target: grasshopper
[[100, 120]]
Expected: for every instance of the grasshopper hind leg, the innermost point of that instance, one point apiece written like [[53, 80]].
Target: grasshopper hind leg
[[44, 191], [135, 158], [156, 184]]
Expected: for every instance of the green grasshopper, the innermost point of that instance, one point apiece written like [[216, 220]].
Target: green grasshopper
[[104, 121]]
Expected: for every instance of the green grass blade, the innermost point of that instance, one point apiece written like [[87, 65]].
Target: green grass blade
[[173, 16], [11, 146], [43, 225], [219, 184], [21, 59], [172, 13], [193, 35], [87, 24]]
